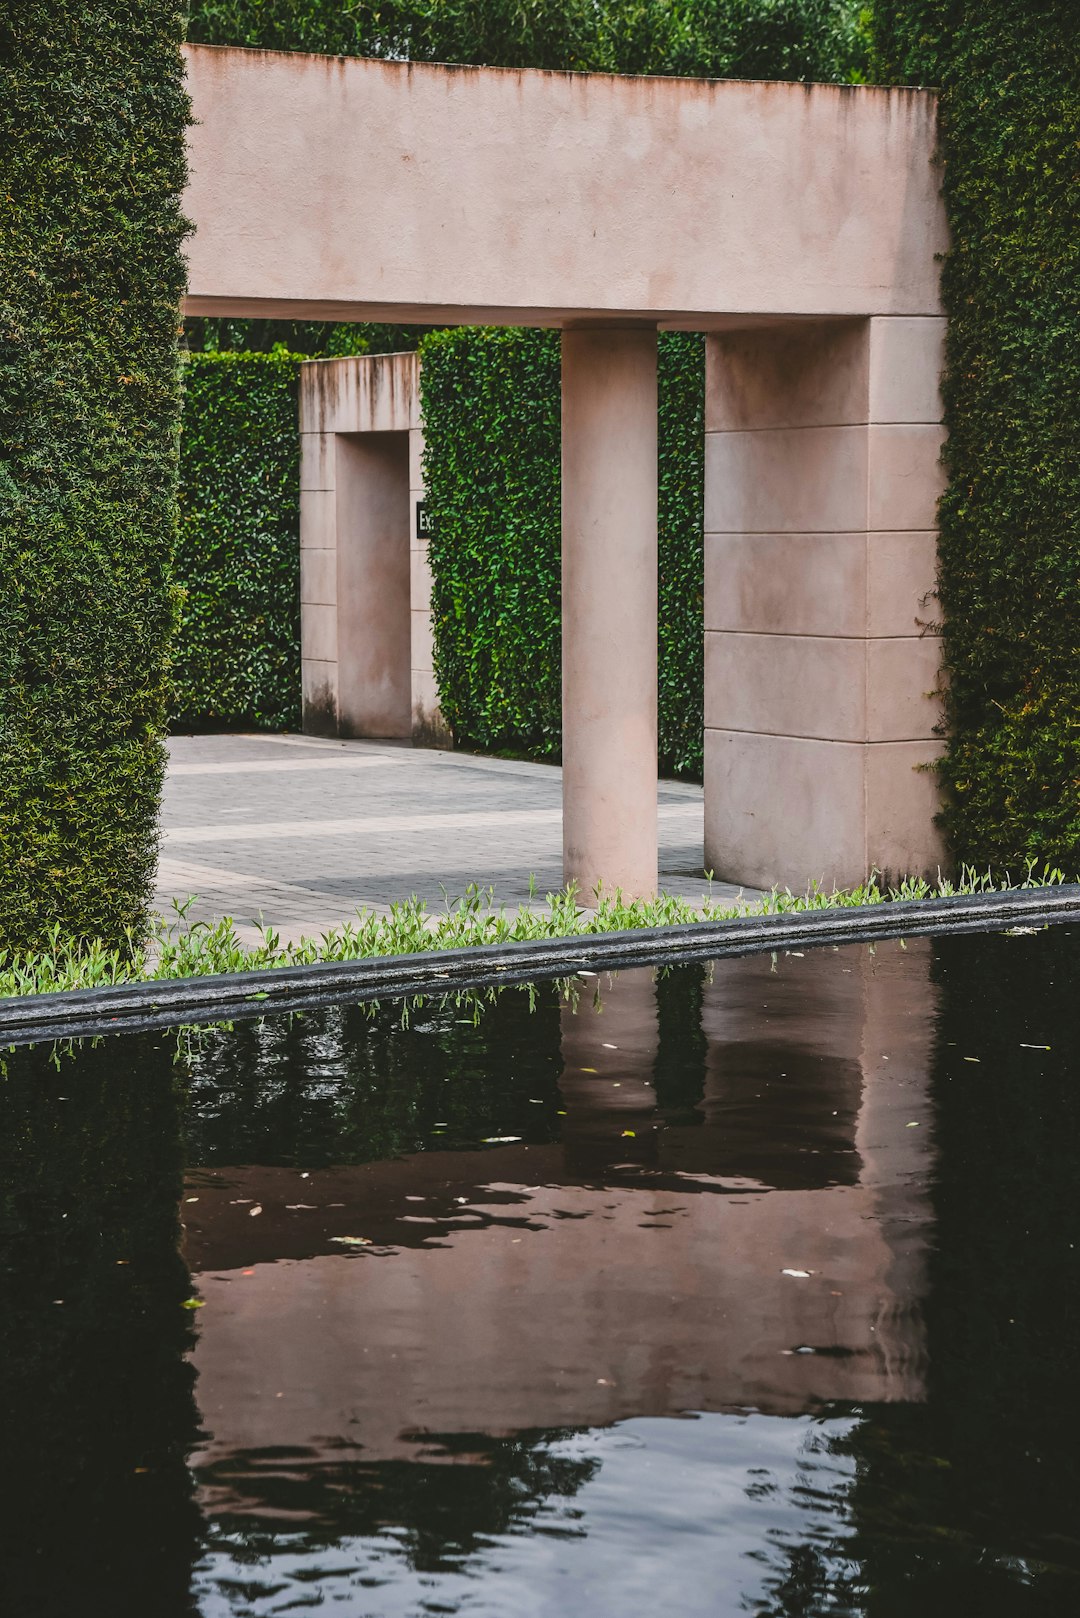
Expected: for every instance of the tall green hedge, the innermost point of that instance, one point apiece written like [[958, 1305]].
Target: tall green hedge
[[1010, 519], [92, 162], [748, 39], [236, 657], [491, 428]]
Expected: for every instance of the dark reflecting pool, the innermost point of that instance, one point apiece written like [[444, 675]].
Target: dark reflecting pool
[[750, 1289]]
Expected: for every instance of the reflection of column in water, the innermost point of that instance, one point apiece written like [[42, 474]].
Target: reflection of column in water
[[609, 1041], [895, 1140], [817, 1073]]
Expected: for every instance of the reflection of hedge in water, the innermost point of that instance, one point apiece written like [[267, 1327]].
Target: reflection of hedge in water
[[356, 1086], [968, 1503], [681, 1046], [98, 1412], [447, 1512]]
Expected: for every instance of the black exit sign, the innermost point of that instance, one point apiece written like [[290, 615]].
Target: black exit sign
[[423, 521]]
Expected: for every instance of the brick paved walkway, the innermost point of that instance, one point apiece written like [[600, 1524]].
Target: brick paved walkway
[[302, 831]]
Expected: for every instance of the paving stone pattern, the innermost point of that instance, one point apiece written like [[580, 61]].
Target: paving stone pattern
[[302, 831]]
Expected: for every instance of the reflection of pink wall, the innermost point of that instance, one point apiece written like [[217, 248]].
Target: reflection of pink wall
[[540, 1299], [392, 191]]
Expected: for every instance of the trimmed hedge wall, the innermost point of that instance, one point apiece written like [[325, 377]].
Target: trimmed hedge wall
[[236, 659], [92, 163], [491, 408], [1010, 519], [746, 39]]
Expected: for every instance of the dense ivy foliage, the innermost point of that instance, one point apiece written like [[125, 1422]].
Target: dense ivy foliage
[[681, 515], [774, 39], [92, 163], [236, 658], [1010, 519], [318, 338], [491, 407]]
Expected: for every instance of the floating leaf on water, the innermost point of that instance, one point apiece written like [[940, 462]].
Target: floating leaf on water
[[193, 1303]]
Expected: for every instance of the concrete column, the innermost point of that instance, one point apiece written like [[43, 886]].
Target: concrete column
[[609, 602], [822, 474]]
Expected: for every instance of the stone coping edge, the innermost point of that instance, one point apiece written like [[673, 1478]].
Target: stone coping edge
[[234, 996]]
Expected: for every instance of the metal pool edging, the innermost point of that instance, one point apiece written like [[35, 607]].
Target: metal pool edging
[[232, 996]]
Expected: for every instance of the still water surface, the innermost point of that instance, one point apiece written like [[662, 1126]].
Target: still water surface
[[752, 1289]]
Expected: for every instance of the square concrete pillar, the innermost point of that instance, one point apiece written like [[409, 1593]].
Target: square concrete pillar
[[822, 476]]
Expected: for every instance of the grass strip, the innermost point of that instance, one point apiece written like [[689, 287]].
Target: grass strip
[[179, 949]]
